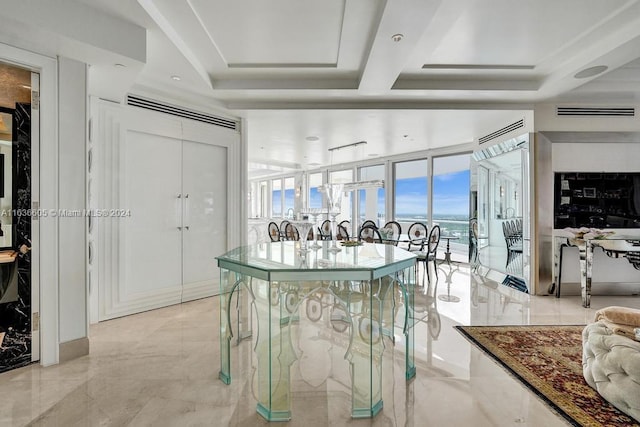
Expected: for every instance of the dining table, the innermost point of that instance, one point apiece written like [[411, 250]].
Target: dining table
[[355, 289]]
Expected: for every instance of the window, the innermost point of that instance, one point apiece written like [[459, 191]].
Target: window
[[289, 196], [315, 190], [411, 200], [343, 177], [450, 205], [276, 198], [371, 199]]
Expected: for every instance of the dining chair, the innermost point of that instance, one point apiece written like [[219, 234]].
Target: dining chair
[[370, 234], [274, 231], [369, 222], [513, 242], [474, 253], [325, 230], [416, 234], [283, 229], [291, 232], [346, 224], [342, 233], [428, 252], [396, 229]]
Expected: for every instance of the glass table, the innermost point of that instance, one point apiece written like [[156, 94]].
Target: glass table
[[615, 246], [273, 278]]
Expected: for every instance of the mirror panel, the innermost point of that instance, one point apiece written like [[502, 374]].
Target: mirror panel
[[502, 187], [6, 173]]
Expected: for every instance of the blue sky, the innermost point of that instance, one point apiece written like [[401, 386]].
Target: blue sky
[[451, 193]]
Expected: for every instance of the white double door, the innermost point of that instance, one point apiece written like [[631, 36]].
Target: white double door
[[174, 199]]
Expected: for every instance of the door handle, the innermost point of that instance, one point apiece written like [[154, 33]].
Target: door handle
[[178, 211], [186, 211]]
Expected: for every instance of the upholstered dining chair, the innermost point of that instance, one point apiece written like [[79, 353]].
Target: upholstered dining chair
[[283, 230], [325, 230], [369, 222], [370, 234], [396, 230], [274, 231], [291, 232], [417, 234], [342, 233]]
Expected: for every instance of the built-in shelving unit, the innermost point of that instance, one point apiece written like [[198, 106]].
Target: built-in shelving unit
[[588, 199]]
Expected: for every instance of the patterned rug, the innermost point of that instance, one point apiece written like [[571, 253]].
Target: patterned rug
[[548, 360]]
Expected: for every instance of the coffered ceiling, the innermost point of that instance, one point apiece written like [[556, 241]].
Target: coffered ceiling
[[442, 72]]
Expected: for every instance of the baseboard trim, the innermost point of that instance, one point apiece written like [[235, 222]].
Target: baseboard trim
[[73, 349]]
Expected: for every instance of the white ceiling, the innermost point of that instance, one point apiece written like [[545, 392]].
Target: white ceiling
[[331, 69]]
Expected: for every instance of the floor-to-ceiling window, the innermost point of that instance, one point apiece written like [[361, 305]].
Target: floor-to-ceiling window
[[289, 196], [315, 190], [371, 195], [450, 201], [343, 177], [411, 201], [276, 198]]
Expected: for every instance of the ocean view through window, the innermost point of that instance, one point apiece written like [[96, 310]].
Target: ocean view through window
[[411, 187], [451, 189]]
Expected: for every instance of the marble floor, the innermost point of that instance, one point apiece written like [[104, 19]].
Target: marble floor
[[161, 367]]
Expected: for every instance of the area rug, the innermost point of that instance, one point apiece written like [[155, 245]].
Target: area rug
[[548, 360]]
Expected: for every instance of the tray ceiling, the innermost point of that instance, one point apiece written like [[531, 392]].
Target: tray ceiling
[[449, 64]]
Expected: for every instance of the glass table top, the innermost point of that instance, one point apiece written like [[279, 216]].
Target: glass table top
[[368, 261]]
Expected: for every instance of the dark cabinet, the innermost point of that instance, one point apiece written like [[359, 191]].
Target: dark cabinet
[[600, 200]]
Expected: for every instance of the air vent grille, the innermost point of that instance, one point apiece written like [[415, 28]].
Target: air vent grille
[[596, 112], [505, 130], [149, 104]]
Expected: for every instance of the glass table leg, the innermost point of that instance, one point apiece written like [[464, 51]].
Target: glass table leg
[[409, 329], [365, 355], [275, 356]]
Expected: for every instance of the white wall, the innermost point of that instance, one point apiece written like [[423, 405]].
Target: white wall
[[72, 77], [596, 157]]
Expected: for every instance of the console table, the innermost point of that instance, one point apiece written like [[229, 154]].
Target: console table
[[275, 277], [615, 246]]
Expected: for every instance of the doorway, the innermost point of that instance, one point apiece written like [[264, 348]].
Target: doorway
[[19, 294]]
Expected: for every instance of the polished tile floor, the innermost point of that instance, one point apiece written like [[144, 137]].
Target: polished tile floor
[[161, 367]]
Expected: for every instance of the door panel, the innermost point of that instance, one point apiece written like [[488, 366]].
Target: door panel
[[205, 216], [151, 235]]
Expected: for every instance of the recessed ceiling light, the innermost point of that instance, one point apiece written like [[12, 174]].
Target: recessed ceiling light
[[176, 78], [397, 37], [591, 71], [312, 138]]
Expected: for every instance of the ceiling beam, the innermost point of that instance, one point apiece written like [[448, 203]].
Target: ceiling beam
[[387, 58], [175, 37], [323, 104]]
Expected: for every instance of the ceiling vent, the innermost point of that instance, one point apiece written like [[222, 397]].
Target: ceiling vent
[[505, 130], [596, 112], [149, 104]]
